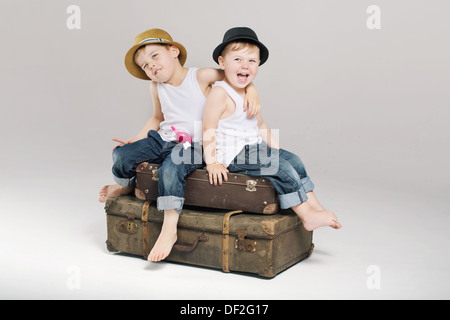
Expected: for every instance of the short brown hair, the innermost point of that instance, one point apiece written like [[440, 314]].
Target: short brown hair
[[239, 45]]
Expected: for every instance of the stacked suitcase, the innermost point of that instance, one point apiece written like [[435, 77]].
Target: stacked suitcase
[[234, 227]]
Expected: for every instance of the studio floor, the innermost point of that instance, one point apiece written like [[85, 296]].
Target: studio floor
[[391, 246]]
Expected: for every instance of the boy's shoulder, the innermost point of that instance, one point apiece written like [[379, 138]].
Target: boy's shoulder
[[218, 94]]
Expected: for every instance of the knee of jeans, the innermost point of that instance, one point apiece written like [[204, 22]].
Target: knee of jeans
[[170, 176], [288, 172], [119, 160], [298, 165], [292, 158]]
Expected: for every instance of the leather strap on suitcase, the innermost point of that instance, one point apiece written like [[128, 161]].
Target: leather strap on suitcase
[[226, 237], [145, 230]]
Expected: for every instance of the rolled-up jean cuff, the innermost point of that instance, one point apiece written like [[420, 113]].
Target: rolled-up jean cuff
[[170, 203], [307, 184], [123, 182], [292, 199]]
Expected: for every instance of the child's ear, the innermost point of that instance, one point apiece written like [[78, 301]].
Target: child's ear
[[221, 63], [175, 51]]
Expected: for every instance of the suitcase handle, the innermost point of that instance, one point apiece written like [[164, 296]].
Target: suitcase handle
[[191, 247]]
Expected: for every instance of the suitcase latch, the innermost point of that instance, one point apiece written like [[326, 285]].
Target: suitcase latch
[[154, 170], [244, 244], [251, 185], [126, 226]]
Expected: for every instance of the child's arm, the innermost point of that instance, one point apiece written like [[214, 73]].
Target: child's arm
[[154, 121], [266, 133], [252, 101], [214, 107], [207, 76]]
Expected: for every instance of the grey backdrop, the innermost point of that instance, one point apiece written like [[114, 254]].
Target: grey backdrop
[[367, 111]]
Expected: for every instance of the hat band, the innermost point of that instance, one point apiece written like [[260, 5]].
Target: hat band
[[153, 40]]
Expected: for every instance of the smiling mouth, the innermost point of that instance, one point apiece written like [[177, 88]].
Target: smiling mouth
[[242, 77]]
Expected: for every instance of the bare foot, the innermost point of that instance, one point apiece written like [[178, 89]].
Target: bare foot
[[110, 191], [313, 218], [167, 237], [314, 202], [323, 218]]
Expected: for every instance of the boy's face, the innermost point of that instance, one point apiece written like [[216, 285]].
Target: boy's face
[[240, 66], [158, 61]]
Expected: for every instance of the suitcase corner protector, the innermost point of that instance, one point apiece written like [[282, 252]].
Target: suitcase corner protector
[[110, 247]]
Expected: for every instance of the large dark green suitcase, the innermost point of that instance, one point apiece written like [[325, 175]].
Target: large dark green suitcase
[[229, 240]]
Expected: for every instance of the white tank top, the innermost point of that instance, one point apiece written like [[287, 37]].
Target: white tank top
[[236, 131], [182, 107]]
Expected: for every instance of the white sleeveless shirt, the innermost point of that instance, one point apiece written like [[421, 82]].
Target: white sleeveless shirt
[[182, 107], [236, 131]]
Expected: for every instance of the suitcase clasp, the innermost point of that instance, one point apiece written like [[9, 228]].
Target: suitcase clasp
[[244, 244], [125, 226], [251, 185], [154, 171]]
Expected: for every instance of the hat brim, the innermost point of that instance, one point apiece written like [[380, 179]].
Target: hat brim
[[263, 51], [136, 71]]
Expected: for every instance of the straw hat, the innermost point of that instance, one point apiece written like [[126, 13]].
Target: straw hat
[[149, 37], [241, 34]]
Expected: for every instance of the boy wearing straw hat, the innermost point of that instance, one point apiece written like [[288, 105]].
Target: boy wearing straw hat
[[236, 143], [178, 95]]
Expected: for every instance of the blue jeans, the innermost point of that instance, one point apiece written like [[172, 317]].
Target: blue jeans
[[175, 163], [282, 168]]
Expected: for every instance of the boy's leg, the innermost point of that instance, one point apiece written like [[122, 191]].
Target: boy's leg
[[303, 203], [311, 212], [171, 185], [260, 160], [166, 238], [313, 201], [126, 158], [299, 167], [288, 184], [285, 181]]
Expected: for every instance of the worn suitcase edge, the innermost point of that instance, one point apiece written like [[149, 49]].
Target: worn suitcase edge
[[289, 264]]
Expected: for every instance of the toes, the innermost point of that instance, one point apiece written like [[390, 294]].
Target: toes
[[102, 197], [102, 193], [336, 224], [155, 256]]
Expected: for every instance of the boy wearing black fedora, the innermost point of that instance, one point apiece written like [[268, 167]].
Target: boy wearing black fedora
[[178, 96], [235, 143]]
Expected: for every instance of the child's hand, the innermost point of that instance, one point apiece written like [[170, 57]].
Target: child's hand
[[216, 171], [122, 142], [251, 101], [253, 106]]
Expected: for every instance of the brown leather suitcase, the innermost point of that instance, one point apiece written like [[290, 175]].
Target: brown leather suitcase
[[229, 240], [240, 192]]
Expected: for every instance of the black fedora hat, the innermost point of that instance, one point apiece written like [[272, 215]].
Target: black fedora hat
[[241, 34]]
